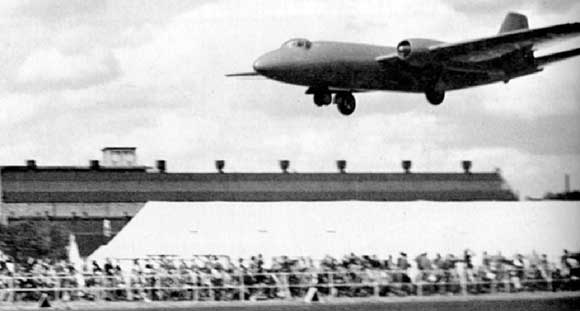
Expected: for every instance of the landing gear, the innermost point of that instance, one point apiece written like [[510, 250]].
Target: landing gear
[[435, 97], [344, 100], [345, 103], [322, 99]]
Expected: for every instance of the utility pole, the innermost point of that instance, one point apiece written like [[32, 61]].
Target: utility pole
[[3, 218]]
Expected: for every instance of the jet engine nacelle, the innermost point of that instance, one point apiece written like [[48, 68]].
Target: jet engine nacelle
[[416, 51]]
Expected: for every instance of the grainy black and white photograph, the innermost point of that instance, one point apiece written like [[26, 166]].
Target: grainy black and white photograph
[[289, 155]]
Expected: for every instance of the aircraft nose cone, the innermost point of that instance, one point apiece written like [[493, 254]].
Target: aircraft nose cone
[[266, 63], [262, 65]]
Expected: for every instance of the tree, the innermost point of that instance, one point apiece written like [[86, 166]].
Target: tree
[[37, 239]]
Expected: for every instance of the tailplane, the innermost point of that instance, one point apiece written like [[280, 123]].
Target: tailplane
[[514, 21]]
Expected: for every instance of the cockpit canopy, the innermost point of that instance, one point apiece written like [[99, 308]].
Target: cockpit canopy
[[297, 43]]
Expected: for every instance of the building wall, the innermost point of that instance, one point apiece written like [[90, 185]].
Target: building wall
[[133, 186], [81, 210]]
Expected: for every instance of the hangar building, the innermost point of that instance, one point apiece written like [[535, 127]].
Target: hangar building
[[96, 201]]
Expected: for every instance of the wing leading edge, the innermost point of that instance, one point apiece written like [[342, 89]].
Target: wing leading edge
[[492, 47], [244, 74], [484, 49]]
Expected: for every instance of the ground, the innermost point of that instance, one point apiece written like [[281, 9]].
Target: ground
[[513, 302]]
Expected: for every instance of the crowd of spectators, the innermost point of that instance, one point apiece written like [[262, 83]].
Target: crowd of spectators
[[219, 278]]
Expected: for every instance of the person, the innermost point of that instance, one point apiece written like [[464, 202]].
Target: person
[[2, 262], [517, 273], [389, 264], [109, 269], [467, 258], [402, 263], [423, 263], [468, 261], [564, 259], [438, 261], [485, 260], [137, 281], [242, 266], [96, 267], [401, 278]]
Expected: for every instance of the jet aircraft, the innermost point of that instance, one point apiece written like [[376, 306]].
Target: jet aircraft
[[333, 71]]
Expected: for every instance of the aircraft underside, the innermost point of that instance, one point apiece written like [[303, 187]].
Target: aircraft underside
[[432, 82]]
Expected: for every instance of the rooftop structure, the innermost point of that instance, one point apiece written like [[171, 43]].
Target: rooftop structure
[[119, 156], [103, 184]]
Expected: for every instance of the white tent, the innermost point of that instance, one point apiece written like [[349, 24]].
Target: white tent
[[73, 254], [242, 229]]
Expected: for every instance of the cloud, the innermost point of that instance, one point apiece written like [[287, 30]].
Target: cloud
[[56, 11], [15, 109], [151, 76], [53, 70], [494, 6], [111, 14], [76, 29]]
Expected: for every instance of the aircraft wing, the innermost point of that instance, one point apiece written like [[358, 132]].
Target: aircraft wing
[[484, 49], [243, 74], [556, 57], [332, 89], [496, 46]]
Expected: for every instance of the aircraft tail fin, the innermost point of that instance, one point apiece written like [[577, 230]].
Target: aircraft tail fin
[[514, 21]]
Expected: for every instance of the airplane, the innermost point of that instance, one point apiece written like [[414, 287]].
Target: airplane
[[333, 71]]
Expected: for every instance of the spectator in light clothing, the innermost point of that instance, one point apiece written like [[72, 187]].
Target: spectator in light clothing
[[389, 263], [517, 272], [403, 263]]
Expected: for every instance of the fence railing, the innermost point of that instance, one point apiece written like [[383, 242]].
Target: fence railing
[[212, 286]]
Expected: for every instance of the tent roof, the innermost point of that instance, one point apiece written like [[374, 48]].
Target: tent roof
[[243, 229]]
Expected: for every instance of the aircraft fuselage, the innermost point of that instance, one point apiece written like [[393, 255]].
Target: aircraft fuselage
[[353, 67], [328, 64]]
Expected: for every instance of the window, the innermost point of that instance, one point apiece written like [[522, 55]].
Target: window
[[297, 43]]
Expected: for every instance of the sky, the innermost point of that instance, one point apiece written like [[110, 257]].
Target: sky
[[77, 75]]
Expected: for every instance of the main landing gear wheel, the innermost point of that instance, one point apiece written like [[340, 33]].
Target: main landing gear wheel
[[435, 97], [345, 103], [322, 99]]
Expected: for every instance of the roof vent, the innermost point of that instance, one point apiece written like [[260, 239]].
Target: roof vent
[[284, 165], [161, 166], [219, 165], [94, 164], [406, 166], [341, 165], [31, 164], [466, 166]]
